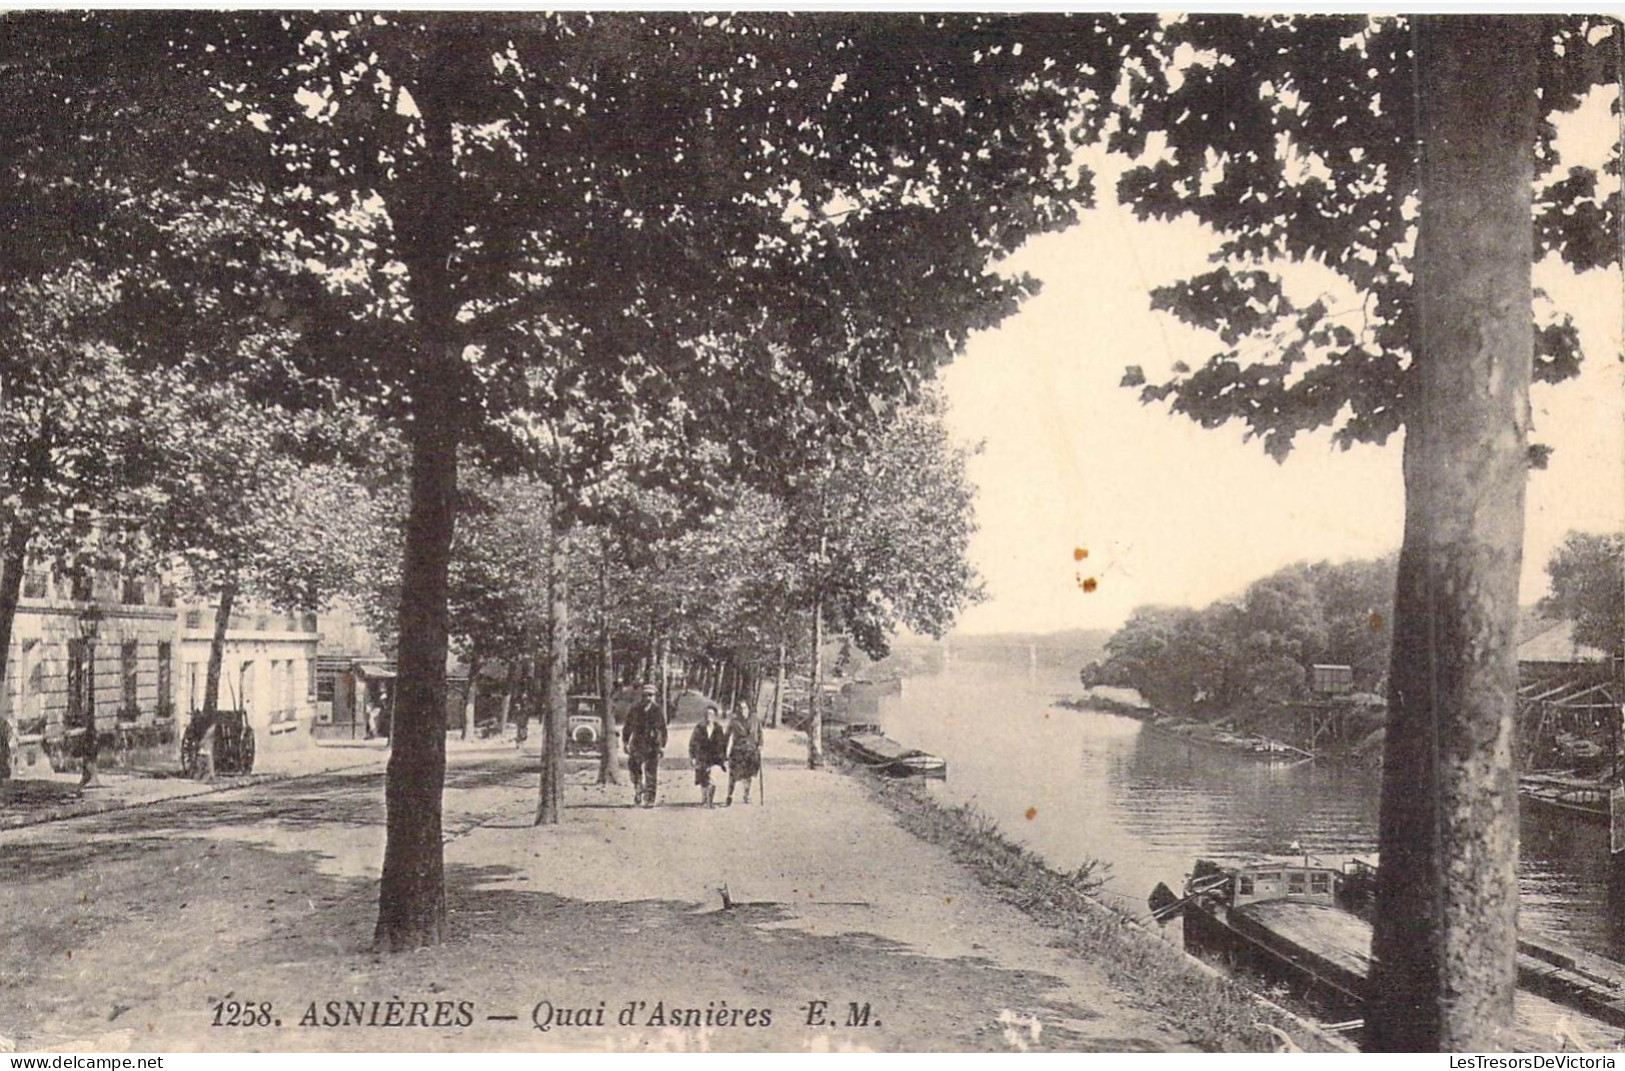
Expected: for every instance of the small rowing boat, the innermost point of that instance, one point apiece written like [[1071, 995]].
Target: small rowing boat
[[865, 745]]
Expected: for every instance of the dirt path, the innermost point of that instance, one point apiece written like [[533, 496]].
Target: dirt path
[[141, 931]]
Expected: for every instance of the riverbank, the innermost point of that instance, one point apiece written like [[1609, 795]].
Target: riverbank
[[1218, 1014], [1260, 735]]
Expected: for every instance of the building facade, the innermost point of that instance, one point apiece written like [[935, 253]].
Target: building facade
[[115, 658], [267, 668], [90, 655]]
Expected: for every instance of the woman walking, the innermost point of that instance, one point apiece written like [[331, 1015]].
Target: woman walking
[[744, 751], [708, 747]]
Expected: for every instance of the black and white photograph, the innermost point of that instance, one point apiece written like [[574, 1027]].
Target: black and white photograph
[[811, 531]]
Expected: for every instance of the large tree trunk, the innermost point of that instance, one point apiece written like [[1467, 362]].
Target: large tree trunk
[[556, 704], [1445, 935], [13, 560], [217, 646], [412, 894]]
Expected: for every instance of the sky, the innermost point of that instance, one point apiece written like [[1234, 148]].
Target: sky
[[1171, 513]]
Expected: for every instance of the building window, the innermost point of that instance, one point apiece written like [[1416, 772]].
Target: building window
[[34, 584], [81, 684], [31, 719], [194, 619], [134, 593], [282, 675], [82, 589], [130, 670], [166, 701]]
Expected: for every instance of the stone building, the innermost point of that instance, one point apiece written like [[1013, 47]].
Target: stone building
[[93, 654], [115, 656]]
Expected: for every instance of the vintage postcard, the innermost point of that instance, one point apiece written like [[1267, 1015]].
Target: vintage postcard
[[810, 531]]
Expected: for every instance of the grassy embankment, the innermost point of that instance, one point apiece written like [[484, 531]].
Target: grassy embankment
[[1216, 1013]]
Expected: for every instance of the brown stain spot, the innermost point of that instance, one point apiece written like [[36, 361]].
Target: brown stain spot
[[947, 899], [1089, 584], [1032, 812], [1079, 553], [1376, 622]]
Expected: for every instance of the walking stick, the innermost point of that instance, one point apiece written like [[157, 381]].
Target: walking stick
[[761, 768]]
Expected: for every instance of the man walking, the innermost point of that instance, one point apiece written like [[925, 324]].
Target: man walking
[[643, 738]]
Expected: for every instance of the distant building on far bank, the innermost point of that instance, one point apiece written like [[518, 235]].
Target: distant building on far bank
[[1548, 647]]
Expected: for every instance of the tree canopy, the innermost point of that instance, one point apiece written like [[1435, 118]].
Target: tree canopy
[[1588, 587], [1295, 139]]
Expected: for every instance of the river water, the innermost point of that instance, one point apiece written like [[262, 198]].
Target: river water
[[1081, 785]]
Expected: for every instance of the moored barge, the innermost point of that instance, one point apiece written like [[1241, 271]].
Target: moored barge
[[1302, 923]]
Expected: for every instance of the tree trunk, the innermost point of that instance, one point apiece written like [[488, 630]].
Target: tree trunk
[[815, 698], [13, 560], [663, 662], [778, 690], [412, 894], [1445, 935], [515, 669], [556, 704], [471, 694], [217, 646], [28, 482], [606, 673]]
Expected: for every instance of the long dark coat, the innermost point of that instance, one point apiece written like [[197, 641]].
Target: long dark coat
[[644, 731]]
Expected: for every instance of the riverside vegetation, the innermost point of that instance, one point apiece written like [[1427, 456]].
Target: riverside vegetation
[[1218, 1014]]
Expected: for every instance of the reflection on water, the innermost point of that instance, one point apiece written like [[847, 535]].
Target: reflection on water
[[1098, 787]]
